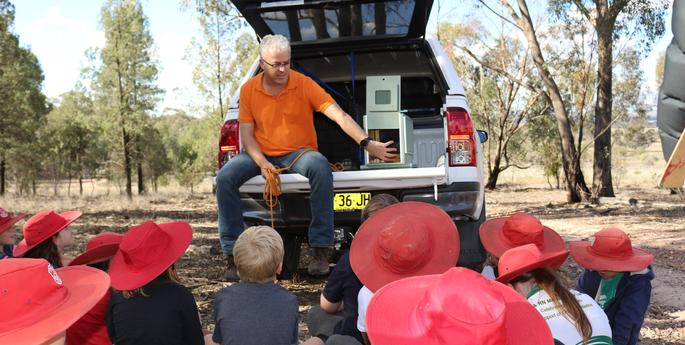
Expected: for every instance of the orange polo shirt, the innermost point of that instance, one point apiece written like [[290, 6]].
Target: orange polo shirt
[[283, 123]]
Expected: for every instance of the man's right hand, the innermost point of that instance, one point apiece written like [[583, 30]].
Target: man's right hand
[[265, 167]]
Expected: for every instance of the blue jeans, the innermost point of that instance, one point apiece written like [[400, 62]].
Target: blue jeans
[[312, 165]]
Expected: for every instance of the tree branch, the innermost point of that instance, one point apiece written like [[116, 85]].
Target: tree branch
[[617, 8], [602, 132], [584, 10], [501, 72], [512, 13], [499, 15]]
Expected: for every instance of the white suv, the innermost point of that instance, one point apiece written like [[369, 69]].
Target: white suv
[[339, 43]]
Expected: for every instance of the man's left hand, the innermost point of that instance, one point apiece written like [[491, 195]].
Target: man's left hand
[[381, 150]]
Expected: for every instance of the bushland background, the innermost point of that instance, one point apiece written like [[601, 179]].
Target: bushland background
[[561, 92]]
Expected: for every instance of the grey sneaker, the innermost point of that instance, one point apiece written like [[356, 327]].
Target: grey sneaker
[[231, 271], [319, 264]]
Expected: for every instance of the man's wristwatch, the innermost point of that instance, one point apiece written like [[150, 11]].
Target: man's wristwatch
[[365, 142]]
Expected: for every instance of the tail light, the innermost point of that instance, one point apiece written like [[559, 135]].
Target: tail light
[[229, 143], [461, 148]]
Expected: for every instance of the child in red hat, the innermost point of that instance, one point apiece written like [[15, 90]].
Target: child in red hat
[[573, 317], [46, 234], [7, 232], [500, 234], [402, 240], [458, 307], [40, 302], [91, 328], [334, 320], [149, 306], [619, 277]]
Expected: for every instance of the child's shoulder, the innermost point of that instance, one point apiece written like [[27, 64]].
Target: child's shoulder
[[256, 288], [645, 276], [250, 291]]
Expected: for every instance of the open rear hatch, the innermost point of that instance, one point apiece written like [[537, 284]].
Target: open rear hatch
[[314, 24], [309, 22]]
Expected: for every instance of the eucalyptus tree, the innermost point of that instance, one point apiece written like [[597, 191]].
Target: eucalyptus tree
[[125, 83], [23, 107], [612, 20]]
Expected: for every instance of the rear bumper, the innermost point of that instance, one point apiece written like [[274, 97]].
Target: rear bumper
[[461, 200], [358, 180]]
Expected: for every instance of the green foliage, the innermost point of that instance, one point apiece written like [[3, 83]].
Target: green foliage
[[75, 145], [189, 145], [220, 57], [22, 107], [659, 69], [125, 83], [544, 143], [642, 19]]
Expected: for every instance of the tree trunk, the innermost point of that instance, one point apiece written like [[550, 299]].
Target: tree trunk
[[69, 184], [54, 180], [577, 189], [2, 176], [141, 181], [602, 185], [127, 161], [557, 177], [80, 176], [496, 165], [492, 178], [219, 75]]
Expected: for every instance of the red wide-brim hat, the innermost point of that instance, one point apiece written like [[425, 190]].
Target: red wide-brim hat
[[611, 250], [501, 234], [517, 261], [455, 308], [100, 248], [8, 220], [146, 251], [403, 240], [40, 312], [41, 227]]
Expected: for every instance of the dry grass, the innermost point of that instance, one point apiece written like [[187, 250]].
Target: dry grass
[[631, 168]]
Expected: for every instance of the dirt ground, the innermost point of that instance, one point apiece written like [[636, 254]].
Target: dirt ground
[[655, 222]]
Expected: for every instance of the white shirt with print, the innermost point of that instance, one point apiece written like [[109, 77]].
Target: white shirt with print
[[363, 300], [561, 326]]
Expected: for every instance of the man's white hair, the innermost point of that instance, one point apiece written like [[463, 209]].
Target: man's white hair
[[276, 43]]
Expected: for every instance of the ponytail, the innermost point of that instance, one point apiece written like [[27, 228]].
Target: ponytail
[[549, 281]]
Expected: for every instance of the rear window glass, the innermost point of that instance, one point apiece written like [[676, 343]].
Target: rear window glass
[[389, 18]]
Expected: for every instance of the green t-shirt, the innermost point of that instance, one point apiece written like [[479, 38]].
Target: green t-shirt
[[607, 290]]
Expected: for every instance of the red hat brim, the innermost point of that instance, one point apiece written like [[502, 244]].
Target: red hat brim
[[391, 316], [13, 220], [125, 278], [86, 286], [445, 243], [552, 260], [98, 254], [586, 258], [492, 238], [21, 248]]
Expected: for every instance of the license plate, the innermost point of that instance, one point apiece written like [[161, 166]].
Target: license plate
[[350, 201]]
